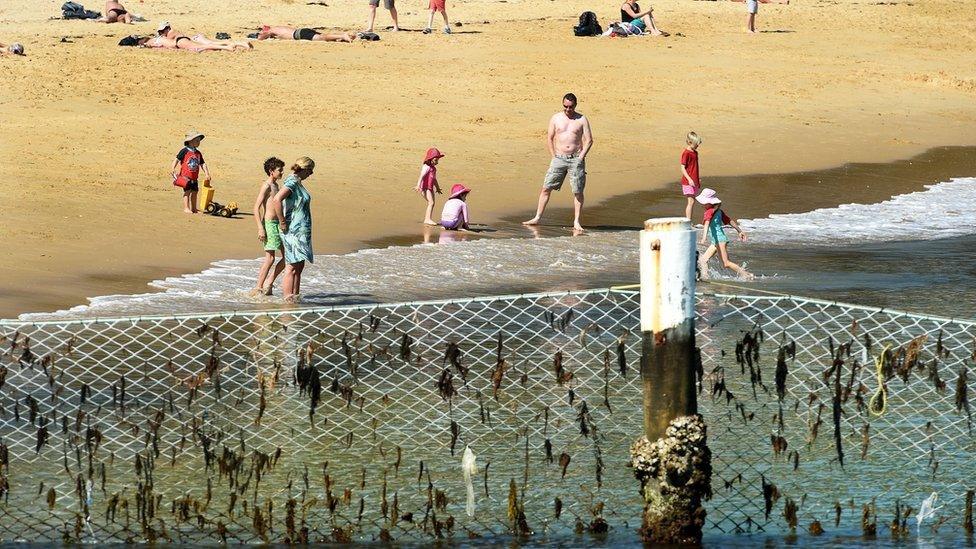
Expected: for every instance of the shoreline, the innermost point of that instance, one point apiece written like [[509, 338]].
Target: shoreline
[[627, 211], [90, 128]]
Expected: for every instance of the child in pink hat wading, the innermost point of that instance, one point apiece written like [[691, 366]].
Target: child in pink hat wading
[[427, 183], [714, 221], [455, 214]]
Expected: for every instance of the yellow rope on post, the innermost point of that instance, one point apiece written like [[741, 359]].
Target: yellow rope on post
[[874, 407]]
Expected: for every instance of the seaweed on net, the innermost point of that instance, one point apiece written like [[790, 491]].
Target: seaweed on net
[[962, 396]]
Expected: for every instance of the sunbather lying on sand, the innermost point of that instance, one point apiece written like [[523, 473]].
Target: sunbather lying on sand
[[12, 49], [115, 13], [292, 33], [164, 29], [186, 43]]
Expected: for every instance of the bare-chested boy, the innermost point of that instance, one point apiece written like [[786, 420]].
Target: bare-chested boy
[[568, 140]]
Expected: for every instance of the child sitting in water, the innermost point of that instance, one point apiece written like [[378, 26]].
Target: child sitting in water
[[455, 214], [713, 222], [427, 183], [268, 232]]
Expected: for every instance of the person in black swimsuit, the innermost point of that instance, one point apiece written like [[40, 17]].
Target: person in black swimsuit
[[644, 20], [291, 33], [115, 13]]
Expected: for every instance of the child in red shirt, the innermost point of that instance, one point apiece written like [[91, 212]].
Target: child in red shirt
[[190, 161], [690, 181]]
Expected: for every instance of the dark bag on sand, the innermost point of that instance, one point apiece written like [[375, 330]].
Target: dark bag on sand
[[588, 25], [131, 40], [72, 10]]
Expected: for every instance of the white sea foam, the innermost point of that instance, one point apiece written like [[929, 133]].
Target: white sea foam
[[940, 211], [485, 266]]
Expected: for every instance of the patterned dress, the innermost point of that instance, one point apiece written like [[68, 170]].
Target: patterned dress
[[298, 219]]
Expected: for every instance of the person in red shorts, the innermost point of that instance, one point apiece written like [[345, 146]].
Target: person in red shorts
[[434, 7], [189, 161], [690, 181]]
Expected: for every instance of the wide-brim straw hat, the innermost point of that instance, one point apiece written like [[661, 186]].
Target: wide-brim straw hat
[[458, 190], [191, 135], [708, 196]]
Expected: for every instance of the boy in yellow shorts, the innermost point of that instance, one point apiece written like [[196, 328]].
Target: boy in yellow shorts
[[268, 232]]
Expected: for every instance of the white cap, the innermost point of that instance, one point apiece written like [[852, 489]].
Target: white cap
[[162, 26]]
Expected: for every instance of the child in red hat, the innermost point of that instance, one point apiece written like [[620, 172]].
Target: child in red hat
[[455, 214], [427, 183]]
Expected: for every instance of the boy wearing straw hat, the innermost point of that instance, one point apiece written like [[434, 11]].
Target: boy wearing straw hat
[[189, 161]]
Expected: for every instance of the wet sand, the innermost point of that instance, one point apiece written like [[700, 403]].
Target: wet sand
[[745, 197], [90, 129]]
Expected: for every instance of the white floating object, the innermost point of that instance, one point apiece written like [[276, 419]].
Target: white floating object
[[926, 511], [469, 468]]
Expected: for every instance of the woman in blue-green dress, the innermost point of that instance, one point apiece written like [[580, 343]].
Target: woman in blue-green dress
[[293, 209]]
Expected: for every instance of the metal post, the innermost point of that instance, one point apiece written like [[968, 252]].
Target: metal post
[[667, 276], [672, 459]]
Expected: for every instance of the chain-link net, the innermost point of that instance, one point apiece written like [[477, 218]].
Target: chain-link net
[[353, 423]]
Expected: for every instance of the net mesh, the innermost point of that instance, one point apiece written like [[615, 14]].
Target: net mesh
[[350, 423]]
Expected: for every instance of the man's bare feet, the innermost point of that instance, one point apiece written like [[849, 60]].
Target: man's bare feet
[[703, 271], [533, 221], [186, 211], [255, 292], [578, 228], [430, 222], [266, 290]]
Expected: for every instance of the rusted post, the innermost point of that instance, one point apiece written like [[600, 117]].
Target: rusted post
[[672, 459]]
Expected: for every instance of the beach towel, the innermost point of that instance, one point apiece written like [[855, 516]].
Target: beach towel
[[588, 25], [72, 10], [622, 29]]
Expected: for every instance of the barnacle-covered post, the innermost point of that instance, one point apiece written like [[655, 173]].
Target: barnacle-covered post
[[671, 460]]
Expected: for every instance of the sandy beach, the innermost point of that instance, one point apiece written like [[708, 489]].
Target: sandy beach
[[89, 129]]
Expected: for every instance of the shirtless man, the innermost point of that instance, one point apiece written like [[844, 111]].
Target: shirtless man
[[568, 141], [292, 33], [115, 13]]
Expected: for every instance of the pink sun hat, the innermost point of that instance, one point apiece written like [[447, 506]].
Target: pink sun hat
[[458, 190], [708, 196]]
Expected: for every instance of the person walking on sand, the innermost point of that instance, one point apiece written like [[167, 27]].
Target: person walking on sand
[[434, 7], [690, 180], [268, 232], [427, 182], [569, 140], [714, 221], [189, 161], [388, 4], [630, 12], [292, 209], [292, 33], [115, 12], [752, 8]]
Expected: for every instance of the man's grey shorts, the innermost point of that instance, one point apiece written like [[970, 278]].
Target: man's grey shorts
[[388, 4], [752, 6], [561, 165]]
